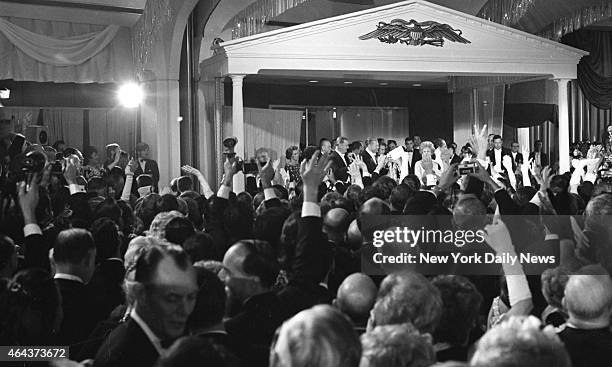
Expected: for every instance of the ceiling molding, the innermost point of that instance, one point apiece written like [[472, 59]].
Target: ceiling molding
[[67, 14]]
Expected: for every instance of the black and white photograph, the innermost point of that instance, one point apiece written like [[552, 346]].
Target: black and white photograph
[[306, 183]]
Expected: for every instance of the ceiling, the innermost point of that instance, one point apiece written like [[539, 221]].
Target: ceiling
[[102, 12]]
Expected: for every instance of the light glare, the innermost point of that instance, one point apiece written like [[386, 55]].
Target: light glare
[[130, 95]]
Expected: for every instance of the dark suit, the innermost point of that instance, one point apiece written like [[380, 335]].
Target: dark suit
[[80, 314], [126, 346], [313, 257], [339, 168], [150, 169], [516, 160], [254, 325], [543, 158]]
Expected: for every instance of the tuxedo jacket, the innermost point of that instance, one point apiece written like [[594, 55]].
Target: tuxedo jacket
[[516, 160], [491, 155], [126, 346], [152, 169], [339, 168]]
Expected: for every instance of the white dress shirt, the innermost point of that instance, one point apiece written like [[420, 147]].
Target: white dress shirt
[[405, 157], [343, 158], [498, 159], [68, 277]]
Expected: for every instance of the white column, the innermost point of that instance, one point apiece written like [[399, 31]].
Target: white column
[[238, 126], [564, 159], [160, 127]]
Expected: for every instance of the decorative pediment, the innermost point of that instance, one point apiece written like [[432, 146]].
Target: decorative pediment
[[410, 32]]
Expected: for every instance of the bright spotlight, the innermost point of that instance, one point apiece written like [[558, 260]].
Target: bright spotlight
[[130, 95], [5, 93]]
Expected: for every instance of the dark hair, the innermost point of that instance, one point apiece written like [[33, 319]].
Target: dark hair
[[106, 237], [200, 246], [96, 184], [150, 256], [178, 230], [31, 293], [290, 150], [355, 145], [73, 246], [142, 147], [323, 140], [461, 302], [109, 209], [392, 141], [184, 183], [87, 152], [167, 203], [57, 144], [269, 225], [399, 195], [210, 303], [496, 137], [308, 152], [260, 261], [413, 182]]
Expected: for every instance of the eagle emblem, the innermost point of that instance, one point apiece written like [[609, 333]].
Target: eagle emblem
[[413, 33]]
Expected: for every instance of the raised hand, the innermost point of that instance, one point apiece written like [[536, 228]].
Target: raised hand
[[427, 165], [498, 237], [131, 167], [266, 173], [478, 141], [314, 170], [28, 195], [191, 170], [71, 172]]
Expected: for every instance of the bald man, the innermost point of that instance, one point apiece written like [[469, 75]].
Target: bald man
[[355, 298], [354, 235], [335, 224], [588, 301]]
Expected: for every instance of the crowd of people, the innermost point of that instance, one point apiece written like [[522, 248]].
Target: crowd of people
[[96, 257]]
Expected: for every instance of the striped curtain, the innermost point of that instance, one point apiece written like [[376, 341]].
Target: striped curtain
[[587, 122]]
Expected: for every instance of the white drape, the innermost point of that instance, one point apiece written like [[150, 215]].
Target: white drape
[[113, 126], [63, 52], [361, 123], [67, 51], [64, 124], [276, 130]]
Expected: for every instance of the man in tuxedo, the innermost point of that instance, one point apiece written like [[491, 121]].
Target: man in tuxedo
[[162, 282], [408, 157], [74, 255], [539, 158], [146, 165], [339, 159], [497, 154], [369, 157], [517, 157]]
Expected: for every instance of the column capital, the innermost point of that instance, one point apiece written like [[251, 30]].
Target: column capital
[[561, 81], [237, 78]]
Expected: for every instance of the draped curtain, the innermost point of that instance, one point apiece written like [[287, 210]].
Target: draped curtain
[[587, 122], [594, 70], [50, 51], [113, 126], [361, 123], [276, 130], [64, 124]]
